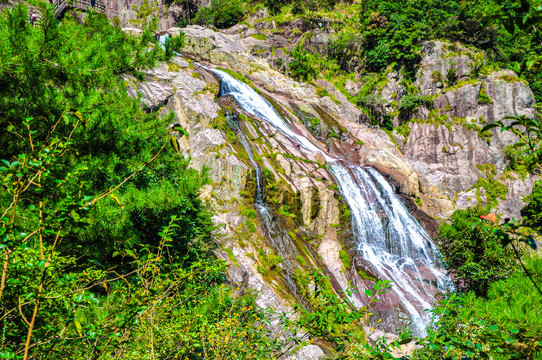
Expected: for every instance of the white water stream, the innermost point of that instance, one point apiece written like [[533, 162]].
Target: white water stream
[[388, 237]]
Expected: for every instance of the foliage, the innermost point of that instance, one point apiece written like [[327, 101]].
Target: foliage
[[301, 67], [373, 111], [394, 30], [299, 6], [409, 103], [505, 325], [146, 14], [221, 13], [347, 50], [474, 254], [532, 212], [106, 249], [528, 150], [332, 318]]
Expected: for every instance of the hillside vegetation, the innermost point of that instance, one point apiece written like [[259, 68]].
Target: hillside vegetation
[[108, 252]]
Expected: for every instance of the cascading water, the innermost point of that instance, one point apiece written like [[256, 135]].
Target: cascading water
[[388, 237], [280, 240]]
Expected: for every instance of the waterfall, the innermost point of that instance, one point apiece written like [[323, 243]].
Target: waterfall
[[259, 200], [388, 237], [279, 238]]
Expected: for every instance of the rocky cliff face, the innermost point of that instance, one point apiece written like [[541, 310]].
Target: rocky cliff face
[[445, 145], [440, 161]]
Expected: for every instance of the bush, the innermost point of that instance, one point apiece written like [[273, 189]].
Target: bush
[[395, 29], [204, 16], [112, 243], [222, 14], [410, 103], [532, 212], [300, 67], [474, 255], [505, 325]]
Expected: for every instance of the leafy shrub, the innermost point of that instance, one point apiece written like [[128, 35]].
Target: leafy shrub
[[473, 253], [300, 67], [373, 111], [221, 13], [275, 5], [112, 242], [227, 13], [347, 50], [532, 212], [410, 103], [505, 325], [204, 16], [394, 29]]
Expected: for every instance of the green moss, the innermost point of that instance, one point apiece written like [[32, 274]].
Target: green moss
[[403, 130], [269, 262], [365, 275], [345, 258], [512, 79], [274, 260], [249, 213], [251, 226], [489, 169], [231, 257], [262, 270], [437, 76], [302, 282], [237, 76], [392, 138], [344, 213], [259, 36], [462, 83], [172, 67], [495, 190], [221, 123], [483, 97]]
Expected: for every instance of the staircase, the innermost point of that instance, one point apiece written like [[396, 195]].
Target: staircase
[[60, 6]]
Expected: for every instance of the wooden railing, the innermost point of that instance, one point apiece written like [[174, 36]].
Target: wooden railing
[[60, 6]]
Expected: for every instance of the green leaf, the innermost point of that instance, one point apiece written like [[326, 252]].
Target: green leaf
[[369, 293], [529, 241], [174, 144], [491, 126]]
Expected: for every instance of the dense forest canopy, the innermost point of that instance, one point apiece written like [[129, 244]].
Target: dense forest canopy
[[102, 229]]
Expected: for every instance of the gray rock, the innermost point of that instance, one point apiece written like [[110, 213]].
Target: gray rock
[[446, 148], [309, 352], [132, 31]]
